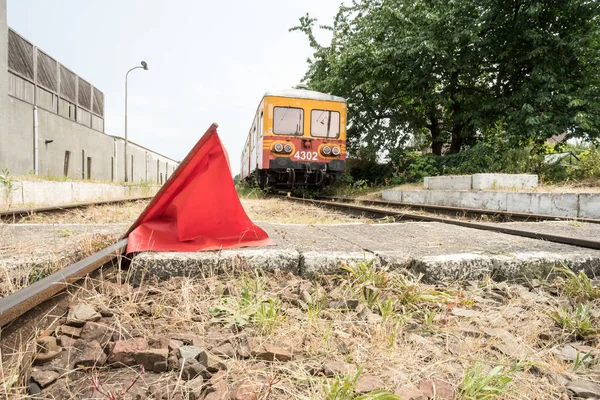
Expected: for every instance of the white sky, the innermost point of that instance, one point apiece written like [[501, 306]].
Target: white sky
[[210, 61]]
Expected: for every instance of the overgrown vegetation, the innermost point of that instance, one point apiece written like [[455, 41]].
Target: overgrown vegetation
[[479, 85], [479, 384]]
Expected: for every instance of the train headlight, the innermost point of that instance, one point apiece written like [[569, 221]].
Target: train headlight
[[326, 150], [335, 151], [287, 148], [278, 147]]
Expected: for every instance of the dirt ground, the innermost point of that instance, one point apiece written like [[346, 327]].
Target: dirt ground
[[364, 332]]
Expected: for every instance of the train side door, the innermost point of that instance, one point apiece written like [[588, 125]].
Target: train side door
[[253, 143]]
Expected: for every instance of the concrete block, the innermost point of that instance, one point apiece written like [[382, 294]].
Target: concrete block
[[557, 204], [449, 182], [504, 181], [495, 201], [392, 195], [445, 198], [589, 205], [416, 196], [40, 193]]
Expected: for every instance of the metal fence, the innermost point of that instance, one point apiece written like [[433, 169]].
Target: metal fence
[[37, 78]]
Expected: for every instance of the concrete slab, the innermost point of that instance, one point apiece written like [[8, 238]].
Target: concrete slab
[[495, 201], [438, 251], [589, 205], [392, 195], [558, 204], [166, 264], [448, 182], [504, 181], [441, 251], [321, 251]]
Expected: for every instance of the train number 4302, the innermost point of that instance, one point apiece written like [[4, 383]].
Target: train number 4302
[[306, 155]]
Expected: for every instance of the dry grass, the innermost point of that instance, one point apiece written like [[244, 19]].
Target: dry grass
[[403, 331], [126, 212], [20, 274], [285, 212]]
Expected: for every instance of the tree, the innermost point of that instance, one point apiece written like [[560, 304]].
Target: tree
[[447, 71]]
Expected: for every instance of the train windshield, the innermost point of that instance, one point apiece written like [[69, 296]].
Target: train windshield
[[288, 121], [325, 123]]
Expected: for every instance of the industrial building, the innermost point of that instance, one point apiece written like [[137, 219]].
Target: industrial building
[[52, 121]]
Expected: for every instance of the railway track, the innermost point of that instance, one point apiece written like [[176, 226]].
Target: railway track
[[374, 212], [459, 211], [18, 212]]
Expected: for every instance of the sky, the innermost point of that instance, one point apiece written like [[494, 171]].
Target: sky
[[209, 61]]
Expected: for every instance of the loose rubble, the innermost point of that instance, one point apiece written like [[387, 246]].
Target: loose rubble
[[257, 336]]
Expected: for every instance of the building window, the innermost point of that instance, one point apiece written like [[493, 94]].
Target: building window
[[82, 164], [112, 169], [132, 168]]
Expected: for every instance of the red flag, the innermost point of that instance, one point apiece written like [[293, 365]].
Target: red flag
[[198, 208]]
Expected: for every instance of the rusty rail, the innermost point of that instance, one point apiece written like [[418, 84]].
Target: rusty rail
[[47, 209], [20, 302], [463, 211], [378, 212]]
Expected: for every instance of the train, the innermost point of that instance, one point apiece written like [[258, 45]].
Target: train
[[297, 140]]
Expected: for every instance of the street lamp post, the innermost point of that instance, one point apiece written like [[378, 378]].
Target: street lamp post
[[144, 66]]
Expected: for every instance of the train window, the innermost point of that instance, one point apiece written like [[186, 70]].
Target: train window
[[288, 121], [325, 123]]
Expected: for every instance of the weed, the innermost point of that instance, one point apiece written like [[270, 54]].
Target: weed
[[344, 389], [268, 316], [316, 304], [387, 309], [578, 322], [365, 273], [370, 295], [582, 362], [429, 315], [577, 285], [8, 181], [477, 384]]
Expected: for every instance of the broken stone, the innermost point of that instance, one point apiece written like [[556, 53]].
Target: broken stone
[[90, 354], [44, 378], [437, 389], [568, 353], [66, 341], [218, 391], [173, 362], [124, 350], [193, 353], [96, 331], [337, 368], [348, 304], [191, 369], [174, 344], [158, 342], [79, 314], [225, 350], [367, 315], [585, 389], [267, 351], [214, 363], [152, 359], [462, 312], [368, 383], [34, 390], [70, 331], [410, 393], [196, 387], [247, 390], [469, 330]]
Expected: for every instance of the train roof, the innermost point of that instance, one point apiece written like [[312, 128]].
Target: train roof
[[305, 94]]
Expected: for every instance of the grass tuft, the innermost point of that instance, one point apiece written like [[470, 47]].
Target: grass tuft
[[577, 286], [479, 385], [578, 322]]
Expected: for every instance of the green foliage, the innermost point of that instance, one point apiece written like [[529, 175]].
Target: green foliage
[[479, 385], [582, 362], [577, 323], [577, 286], [432, 73], [365, 273]]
